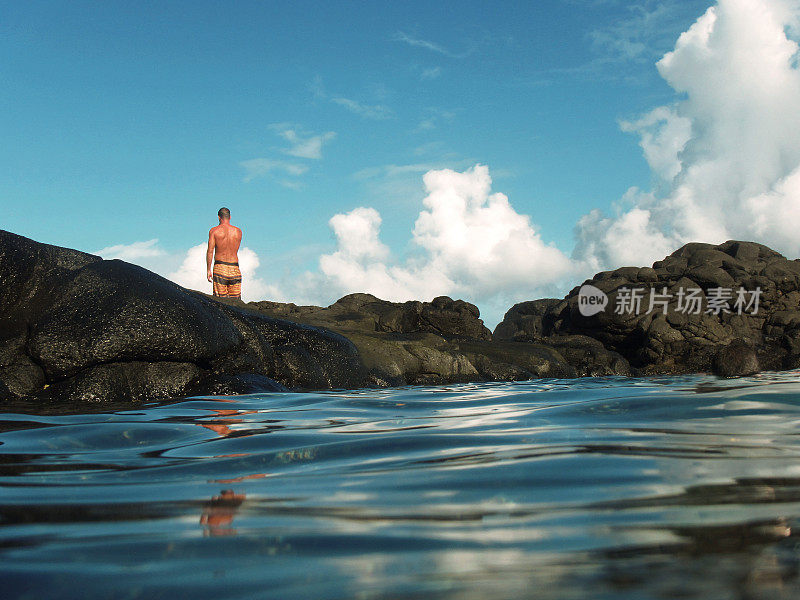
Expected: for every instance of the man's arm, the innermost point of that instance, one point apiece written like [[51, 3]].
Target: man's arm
[[210, 253]]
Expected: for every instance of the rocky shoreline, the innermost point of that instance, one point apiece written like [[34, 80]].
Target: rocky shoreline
[[76, 328]]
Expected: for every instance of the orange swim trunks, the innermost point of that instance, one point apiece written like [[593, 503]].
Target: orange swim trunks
[[227, 279]]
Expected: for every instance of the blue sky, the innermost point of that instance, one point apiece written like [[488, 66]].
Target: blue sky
[[124, 123]]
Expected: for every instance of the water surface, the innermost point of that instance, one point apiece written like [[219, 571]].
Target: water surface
[[604, 488]]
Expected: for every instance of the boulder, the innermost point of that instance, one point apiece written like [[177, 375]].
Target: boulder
[[76, 327], [526, 319], [737, 359]]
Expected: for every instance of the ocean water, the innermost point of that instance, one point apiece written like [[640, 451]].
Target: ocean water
[[675, 487]]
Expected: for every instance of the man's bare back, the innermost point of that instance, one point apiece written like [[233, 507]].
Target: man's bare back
[[223, 243], [223, 248]]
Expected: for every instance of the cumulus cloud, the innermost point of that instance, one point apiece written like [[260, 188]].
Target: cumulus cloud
[[725, 156], [468, 242], [188, 268], [664, 134]]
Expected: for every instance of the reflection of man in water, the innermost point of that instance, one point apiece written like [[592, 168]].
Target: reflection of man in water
[[223, 245], [218, 514]]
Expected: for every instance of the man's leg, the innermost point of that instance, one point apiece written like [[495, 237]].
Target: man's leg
[[235, 289]]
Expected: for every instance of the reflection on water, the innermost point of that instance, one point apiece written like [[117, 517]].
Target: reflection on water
[[218, 514], [605, 488]]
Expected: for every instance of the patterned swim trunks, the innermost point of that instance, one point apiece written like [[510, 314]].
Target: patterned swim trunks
[[227, 279]]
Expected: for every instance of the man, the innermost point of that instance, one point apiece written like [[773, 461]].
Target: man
[[223, 245]]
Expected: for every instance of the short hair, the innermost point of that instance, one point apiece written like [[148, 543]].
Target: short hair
[[224, 213]]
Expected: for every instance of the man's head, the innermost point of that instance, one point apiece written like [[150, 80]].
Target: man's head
[[224, 214]]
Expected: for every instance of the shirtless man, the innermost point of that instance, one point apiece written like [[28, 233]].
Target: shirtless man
[[223, 244]]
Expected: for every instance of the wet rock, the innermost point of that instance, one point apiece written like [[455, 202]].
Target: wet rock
[[134, 380], [243, 383], [588, 357], [737, 359], [5, 393]]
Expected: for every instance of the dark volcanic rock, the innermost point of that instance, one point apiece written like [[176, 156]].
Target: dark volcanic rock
[[669, 338], [443, 316], [526, 320], [76, 327], [735, 360], [434, 342], [112, 311], [244, 383]]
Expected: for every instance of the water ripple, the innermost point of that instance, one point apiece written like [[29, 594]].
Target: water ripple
[[610, 488]]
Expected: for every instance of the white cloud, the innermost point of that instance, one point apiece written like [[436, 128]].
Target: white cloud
[[357, 233], [259, 167], [471, 243], [188, 268], [369, 111], [304, 145], [192, 274], [131, 252], [664, 134], [726, 155], [399, 185]]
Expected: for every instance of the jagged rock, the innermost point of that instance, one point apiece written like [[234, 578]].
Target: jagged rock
[[667, 339], [526, 320], [442, 316], [442, 341], [76, 327]]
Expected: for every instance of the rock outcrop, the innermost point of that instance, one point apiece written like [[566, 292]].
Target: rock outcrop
[[76, 327], [732, 308], [434, 342]]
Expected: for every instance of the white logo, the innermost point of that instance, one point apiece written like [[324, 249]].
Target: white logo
[[591, 300]]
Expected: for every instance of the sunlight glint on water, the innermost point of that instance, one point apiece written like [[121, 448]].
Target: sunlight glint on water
[[609, 488]]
